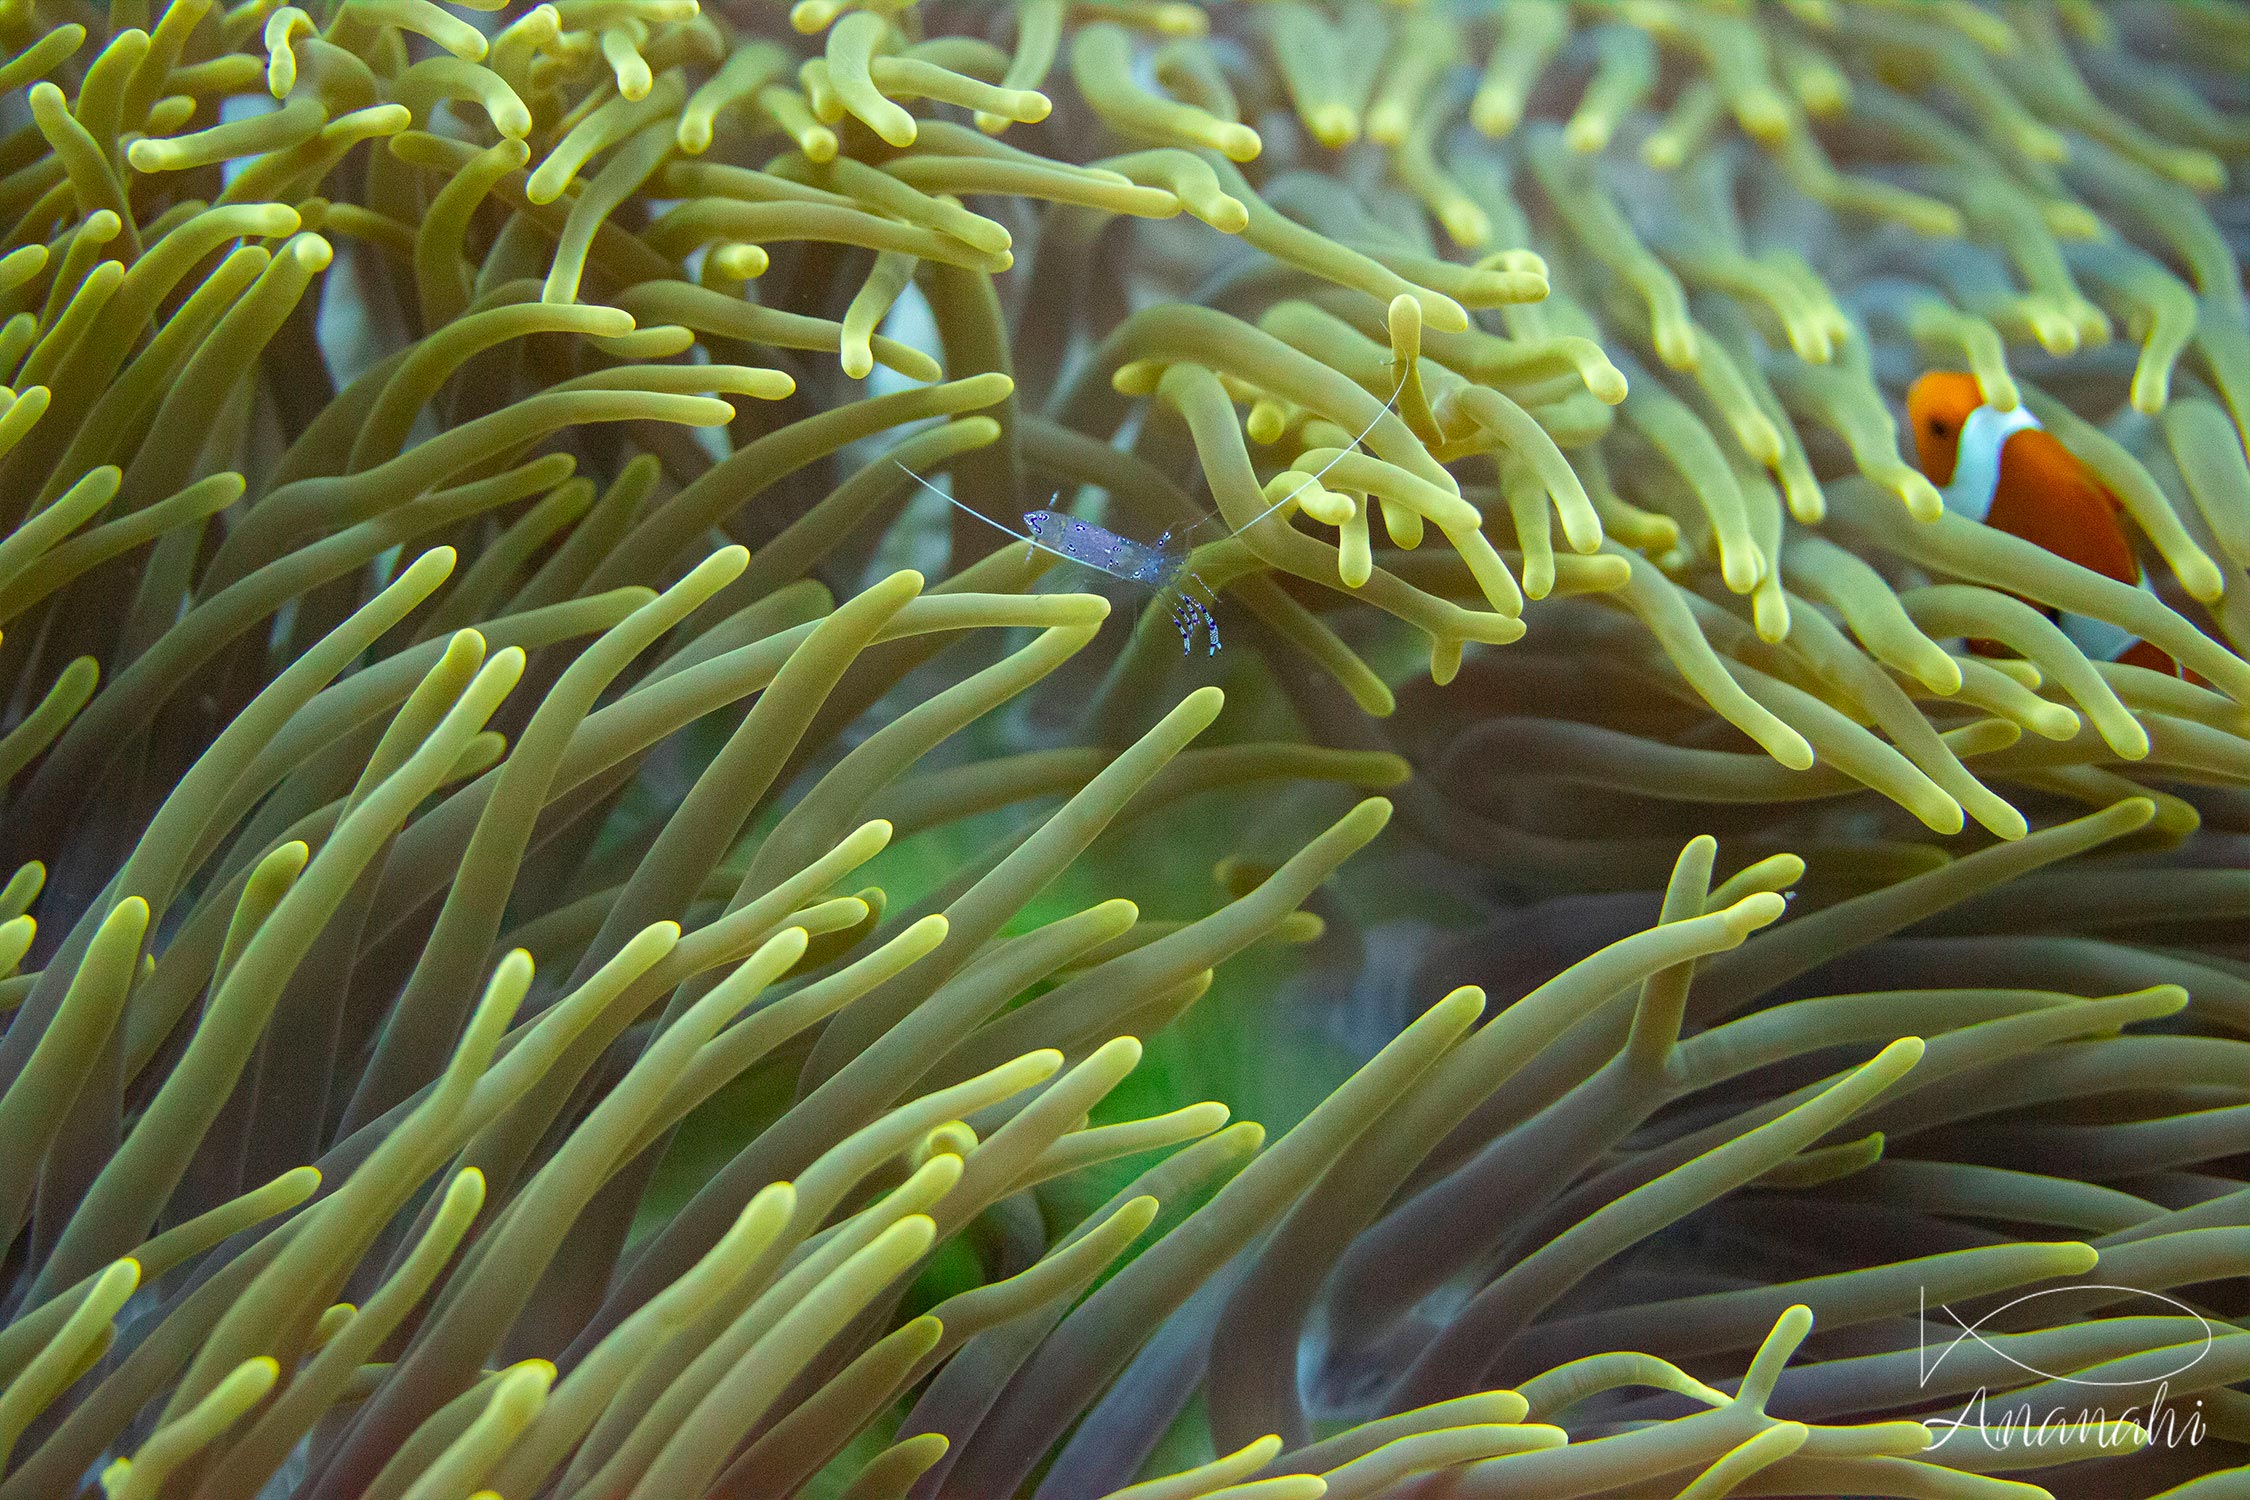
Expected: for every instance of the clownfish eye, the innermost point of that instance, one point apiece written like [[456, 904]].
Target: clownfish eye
[[1938, 427]]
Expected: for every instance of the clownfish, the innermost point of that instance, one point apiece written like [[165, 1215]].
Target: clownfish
[[2004, 469]]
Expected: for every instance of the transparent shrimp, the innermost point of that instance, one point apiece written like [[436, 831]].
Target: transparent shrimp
[[1161, 565]]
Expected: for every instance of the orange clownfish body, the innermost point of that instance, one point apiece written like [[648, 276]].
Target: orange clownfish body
[[2004, 469]]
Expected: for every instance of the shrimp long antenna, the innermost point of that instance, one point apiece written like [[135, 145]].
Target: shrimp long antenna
[[1314, 478], [980, 515], [958, 505]]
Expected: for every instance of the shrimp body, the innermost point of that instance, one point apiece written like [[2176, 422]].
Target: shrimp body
[[2004, 469], [1155, 565]]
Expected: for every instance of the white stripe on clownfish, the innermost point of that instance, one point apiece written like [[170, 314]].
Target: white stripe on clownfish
[[1976, 469]]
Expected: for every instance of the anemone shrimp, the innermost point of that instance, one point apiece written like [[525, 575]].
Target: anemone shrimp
[[1161, 565]]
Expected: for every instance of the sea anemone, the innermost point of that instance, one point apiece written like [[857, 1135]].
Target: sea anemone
[[547, 957]]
